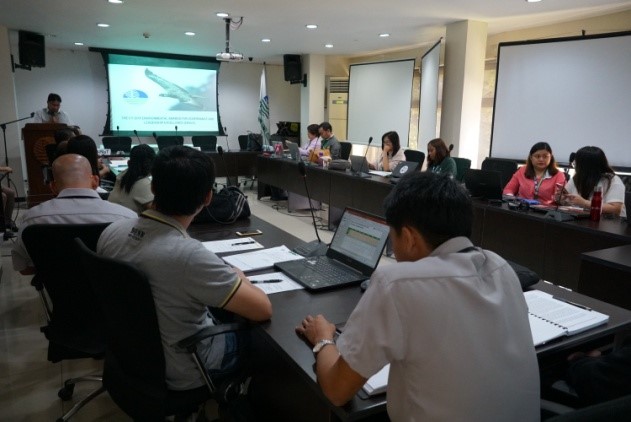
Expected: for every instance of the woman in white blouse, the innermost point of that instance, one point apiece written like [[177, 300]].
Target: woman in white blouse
[[391, 153]]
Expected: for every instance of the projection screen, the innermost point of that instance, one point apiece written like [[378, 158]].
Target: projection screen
[[569, 92], [379, 98]]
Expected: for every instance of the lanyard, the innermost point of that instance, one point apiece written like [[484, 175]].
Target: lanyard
[[538, 185]]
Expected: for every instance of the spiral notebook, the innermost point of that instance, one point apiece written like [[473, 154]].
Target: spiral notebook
[[551, 318]]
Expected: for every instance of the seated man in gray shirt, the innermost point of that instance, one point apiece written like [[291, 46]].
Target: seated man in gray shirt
[[185, 277], [329, 141], [449, 318], [77, 202]]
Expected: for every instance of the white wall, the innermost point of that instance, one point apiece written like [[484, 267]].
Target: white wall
[[79, 77]]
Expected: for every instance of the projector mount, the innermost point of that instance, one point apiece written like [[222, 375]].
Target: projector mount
[[230, 56]]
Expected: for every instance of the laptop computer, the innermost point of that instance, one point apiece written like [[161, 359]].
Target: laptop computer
[[294, 151], [353, 255], [359, 165], [403, 168], [484, 183]]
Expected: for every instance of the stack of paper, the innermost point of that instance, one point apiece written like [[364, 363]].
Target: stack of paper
[[260, 260]]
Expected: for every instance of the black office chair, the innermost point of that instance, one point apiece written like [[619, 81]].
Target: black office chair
[[506, 167], [462, 165], [207, 143], [134, 367], [243, 142], [169, 141], [345, 150], [117, 143], [415, 156], [75, 328], [617, 410]]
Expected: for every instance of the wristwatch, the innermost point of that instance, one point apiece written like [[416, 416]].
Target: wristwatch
[[319, 345]]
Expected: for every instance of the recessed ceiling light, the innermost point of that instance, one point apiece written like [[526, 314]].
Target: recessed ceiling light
[[115, 1], [384, 35], [266, 40], [311, 26], [78, 43], [103, 25], [533, 1], [328, 45], [222, 14], [189, 33]]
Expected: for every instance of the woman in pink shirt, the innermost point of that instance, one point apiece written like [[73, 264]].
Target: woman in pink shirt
[[537, 179]]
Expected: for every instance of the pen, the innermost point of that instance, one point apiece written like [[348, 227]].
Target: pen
[[578, 305], [271, 280], [243, 243]]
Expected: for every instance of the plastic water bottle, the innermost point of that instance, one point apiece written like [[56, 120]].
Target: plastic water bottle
[[597, 203]]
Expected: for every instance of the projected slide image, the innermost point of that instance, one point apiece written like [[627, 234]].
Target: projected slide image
[[155, 98]]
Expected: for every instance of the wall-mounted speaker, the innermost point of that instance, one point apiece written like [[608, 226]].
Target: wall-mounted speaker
[[293, 67], [32, 49]]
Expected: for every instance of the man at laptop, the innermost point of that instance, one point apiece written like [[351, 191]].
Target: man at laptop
[[449, 318]]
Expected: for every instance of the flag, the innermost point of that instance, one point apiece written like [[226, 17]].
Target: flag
[[264, 110]]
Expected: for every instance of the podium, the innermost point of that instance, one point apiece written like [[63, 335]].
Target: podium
[[36, 136]]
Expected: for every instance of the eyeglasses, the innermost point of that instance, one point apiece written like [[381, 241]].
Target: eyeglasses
[[541, 156]]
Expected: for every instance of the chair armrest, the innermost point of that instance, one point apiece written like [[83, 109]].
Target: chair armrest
[[190, 343]]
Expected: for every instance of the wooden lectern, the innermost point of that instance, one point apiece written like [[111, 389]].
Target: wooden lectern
[[36, 136]]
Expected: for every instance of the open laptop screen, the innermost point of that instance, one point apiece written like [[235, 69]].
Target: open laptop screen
[[360, 237]]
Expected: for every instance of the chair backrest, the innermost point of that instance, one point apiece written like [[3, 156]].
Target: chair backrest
[[207, 143], [416, 156], [169, 141], [76, 323], [134, 368], [243, 142], [345, 151], [462, 165], [506, 167], [117, 143], [617, 410]]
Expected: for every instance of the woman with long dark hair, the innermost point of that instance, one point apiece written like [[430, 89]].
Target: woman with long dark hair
[[391, 152], [592, 169], [438, 159], [133, 186], [538, 178]]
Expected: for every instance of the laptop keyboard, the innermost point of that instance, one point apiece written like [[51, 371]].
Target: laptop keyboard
[[329, 273]]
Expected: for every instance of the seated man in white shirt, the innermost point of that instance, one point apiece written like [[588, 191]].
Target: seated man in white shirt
[[77, 202], [449, 318]]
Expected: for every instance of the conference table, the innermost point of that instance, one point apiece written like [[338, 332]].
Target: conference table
[[232, 164], [551, 248], [285, 386]]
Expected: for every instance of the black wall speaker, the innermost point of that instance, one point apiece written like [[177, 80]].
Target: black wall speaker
[[32, 49], [293, 67]]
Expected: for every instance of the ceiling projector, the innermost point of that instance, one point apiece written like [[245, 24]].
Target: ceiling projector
[[227, 56]]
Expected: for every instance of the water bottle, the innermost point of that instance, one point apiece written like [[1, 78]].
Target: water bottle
[[597, 203]]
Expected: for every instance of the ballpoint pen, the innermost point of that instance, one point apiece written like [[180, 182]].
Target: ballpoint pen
[[243, 243], [578, 305], [271, 280]]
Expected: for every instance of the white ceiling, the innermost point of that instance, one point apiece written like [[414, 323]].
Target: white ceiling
[[352, 26]]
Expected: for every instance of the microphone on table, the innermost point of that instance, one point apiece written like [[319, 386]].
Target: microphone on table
[[136, 133], [361, 167], [570, 165], [175, 130], [155, 136], [225, 132], [316, 247], [117, 130]]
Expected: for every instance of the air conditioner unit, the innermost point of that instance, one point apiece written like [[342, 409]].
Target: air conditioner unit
[[337, 105]]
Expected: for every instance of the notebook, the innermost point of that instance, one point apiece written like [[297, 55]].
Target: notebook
[[484, 183], [403, 168], [551, 317], [353, 255]]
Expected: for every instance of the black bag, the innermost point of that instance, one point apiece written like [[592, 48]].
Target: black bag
[[227, 206], [255, 142]]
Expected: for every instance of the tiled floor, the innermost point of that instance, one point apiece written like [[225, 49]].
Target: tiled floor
[[29, 383]]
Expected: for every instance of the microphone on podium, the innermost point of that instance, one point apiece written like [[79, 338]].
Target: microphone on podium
[[136, 133], [32, 114], [316, 247], [361, 167]]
